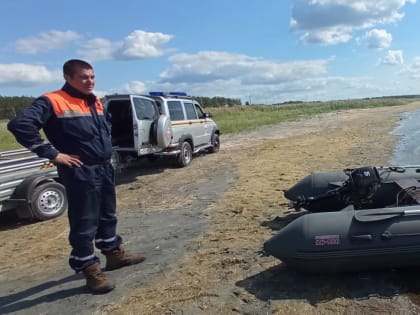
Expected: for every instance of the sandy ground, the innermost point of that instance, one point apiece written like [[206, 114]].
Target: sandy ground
[[202, 230]]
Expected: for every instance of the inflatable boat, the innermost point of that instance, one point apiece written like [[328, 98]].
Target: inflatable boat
[[367, 187], [350, 240]]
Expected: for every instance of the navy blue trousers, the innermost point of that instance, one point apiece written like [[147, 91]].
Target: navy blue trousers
[[91, 212]]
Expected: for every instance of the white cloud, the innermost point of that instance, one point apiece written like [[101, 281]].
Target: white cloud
[[45, 41], [378, 39], [394, 57], [330, 36], [18, 74], [413, 69], [137, 45], [140, 44], [98, 49], [305, 89], [333, 21], [211, 73], [135, 87], [213, 65]]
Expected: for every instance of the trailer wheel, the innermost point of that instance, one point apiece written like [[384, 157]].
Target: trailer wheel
[[48, 201]]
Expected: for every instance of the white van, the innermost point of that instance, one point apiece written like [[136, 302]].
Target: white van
[[138, 129], [193, 129]]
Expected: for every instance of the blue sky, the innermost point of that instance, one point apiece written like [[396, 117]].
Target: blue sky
[[263, 51]]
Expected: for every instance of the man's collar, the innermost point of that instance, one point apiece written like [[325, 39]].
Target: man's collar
[[75, 93]]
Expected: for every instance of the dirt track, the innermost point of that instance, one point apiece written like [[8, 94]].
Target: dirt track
[[202, 228]]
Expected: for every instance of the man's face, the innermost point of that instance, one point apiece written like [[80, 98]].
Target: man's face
[[83, 80]]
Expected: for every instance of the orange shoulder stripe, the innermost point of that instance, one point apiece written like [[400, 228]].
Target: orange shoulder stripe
[[65, 105]]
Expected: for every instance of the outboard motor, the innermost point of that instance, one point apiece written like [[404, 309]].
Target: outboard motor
[[321, 192], [362, 184]]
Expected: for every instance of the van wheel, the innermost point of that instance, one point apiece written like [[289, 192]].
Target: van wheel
[[215, 141], [116, 162], [185, 157], [48, 201]]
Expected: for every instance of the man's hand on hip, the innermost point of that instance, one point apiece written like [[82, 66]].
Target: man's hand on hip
[[68, 160]]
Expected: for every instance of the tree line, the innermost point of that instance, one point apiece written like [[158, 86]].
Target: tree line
[[217, 101], [10, 105]]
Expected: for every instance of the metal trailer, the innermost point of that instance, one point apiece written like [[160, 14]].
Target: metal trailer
[[29, 185]]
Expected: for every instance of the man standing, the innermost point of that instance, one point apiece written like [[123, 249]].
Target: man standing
[[80, 145]]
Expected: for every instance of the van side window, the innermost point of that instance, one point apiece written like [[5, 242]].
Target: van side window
[[199, 111], [190, 110], [159, 105], [145, 109], [175, 110]]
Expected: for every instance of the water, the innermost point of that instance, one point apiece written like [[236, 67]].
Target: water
[[407, 152], [407, 149]]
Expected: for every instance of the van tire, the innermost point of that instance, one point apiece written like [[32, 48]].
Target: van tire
[[185, 156], [116, 162], [215, 141]]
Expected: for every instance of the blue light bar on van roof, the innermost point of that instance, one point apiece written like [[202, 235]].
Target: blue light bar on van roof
[[178, 93], [168, 94], [156, 94]]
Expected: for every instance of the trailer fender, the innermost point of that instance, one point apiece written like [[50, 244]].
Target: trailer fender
[[23, 191]]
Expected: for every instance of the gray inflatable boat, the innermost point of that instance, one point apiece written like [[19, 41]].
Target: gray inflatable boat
[[350, 240], [359, 219]]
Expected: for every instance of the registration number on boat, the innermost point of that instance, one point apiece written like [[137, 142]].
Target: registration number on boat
[[323, 240]]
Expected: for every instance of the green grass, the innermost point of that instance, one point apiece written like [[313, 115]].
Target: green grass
[[7, 140], [246, 118]]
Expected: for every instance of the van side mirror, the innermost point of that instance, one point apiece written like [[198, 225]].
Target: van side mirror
[[208, 115]]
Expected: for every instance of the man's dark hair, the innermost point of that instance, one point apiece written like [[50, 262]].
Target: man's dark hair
[[70, 66]]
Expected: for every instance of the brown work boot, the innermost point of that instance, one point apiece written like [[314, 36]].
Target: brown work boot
[[118, 258], [96, 280]]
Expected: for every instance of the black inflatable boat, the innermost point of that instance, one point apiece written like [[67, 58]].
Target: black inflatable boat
[[362, 219], [350, 240], [366, 187]]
